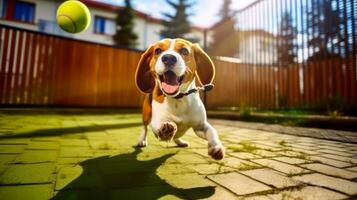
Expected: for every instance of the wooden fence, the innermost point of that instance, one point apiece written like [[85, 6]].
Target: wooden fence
[[299, 85], [39, 69]]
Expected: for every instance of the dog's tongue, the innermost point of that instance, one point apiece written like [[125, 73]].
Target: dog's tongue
[[170, 83]]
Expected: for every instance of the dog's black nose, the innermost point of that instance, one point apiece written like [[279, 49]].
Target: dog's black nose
[[169, 59]]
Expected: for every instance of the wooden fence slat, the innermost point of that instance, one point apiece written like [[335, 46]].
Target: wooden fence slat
[[10, 67], [3, 63]]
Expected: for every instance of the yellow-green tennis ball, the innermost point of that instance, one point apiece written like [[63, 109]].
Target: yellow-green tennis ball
[[73, 16]]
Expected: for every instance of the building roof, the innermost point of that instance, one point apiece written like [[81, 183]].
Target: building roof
[[114, 8]]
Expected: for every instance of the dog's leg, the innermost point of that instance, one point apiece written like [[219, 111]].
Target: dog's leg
[[215, 147], [181, 143], [146, 117], [143, 142]]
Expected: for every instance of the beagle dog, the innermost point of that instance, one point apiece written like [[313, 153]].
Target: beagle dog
[[166, 74]]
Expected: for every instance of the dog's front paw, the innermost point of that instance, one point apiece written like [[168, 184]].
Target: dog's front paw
[[142, 143], [167, 131], [216, 151]]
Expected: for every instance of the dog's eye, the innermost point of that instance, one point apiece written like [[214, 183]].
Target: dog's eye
[[158, 51], [184, 51]]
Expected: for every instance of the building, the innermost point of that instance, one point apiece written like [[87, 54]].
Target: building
[[257, 47], [40, 15]]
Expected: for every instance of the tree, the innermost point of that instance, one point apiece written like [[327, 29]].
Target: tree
[[125, 35], [323, 22], [177, 25], [286, 49], [225, 12], [224, 34]]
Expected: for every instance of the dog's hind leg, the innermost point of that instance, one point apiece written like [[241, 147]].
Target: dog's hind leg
[[146, 117], [181, 143]]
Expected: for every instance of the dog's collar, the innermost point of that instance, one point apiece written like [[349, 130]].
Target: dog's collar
[[204, 88]]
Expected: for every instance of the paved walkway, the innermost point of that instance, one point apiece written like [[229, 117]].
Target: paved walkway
[[91, 157], [328, 134]]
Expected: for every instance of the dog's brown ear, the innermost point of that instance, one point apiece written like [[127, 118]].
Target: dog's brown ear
[[205, 68], [143, 77]]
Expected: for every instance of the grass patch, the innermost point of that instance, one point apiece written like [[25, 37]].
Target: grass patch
[[245, 146]]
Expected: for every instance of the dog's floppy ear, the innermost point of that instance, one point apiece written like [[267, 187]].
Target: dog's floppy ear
[[143, 77], [205, 68]]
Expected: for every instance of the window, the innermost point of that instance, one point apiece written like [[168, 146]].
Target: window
[[24, 11], [3, 4], [103, 25]]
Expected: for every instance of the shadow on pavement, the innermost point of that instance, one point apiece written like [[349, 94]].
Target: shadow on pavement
[[70, 130], [125, 177]]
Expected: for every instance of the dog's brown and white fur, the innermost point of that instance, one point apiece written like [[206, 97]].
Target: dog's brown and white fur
[[166, 69]]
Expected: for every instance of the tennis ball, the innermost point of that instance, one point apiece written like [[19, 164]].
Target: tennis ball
[[73, 16]]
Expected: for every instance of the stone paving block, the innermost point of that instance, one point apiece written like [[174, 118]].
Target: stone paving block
[[236, 162], [28, 173], [70, 160], [282, 167], [340, 158], [2, 168], [341, 148], [74, 142], [103, 144], [7, 158], [45, 145], [289, 153], [219, 193], [73, 152], [354, 169], [271, 177], [289, 160], [36, 156], [26, 192], [11, 149], [244, 155], [238, 183], [172, 168], [23, 141], [334, 152], [47, 139], [189, 159], [187, 181], [151, 152], [112, 152], [267, 147], [338, 184], [201, 151], [302, 146], [308, 193], [210, 168], [333, 171], [265, 153], [305, 151], [259, 197], [329, 161]]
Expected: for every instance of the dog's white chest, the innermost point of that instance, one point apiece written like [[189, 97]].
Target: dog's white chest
[[188, 111]]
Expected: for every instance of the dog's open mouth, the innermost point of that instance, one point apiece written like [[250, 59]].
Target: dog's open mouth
[[170, 83]]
